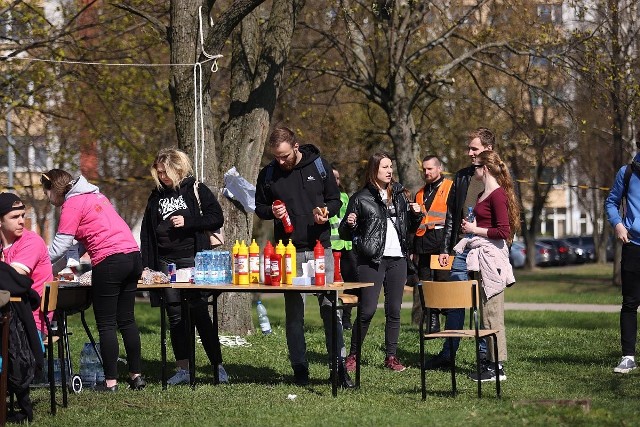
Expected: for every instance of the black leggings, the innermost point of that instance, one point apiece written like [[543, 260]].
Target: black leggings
[[114, 283], [200, 317], [392, 274]]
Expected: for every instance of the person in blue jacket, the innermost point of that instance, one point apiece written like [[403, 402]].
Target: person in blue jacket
[[627, 230]]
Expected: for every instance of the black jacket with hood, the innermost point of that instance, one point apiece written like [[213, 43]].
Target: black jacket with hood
[[19, 285], [211, 219], [455, 206], [370, 231], [301, 189]]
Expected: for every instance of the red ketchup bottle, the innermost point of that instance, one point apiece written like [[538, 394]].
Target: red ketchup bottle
[[286, 220], [318, 255], [266, 259], [337, 274], [276, 259]]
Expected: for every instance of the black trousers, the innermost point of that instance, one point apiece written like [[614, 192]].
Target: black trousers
[[630, 266]]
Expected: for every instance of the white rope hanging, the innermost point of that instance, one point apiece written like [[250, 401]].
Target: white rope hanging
[[198, 112]]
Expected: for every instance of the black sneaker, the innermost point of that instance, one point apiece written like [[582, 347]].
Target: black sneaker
[[488, 374], [301, 375]]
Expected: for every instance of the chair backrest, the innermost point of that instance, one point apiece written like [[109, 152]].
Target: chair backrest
[[454, 294], [49, 301], [435, 264]]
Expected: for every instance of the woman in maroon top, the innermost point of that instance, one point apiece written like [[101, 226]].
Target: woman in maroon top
[[497, 219]]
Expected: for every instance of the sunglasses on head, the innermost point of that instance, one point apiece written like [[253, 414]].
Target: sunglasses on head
[[478, 166], [45, 181]]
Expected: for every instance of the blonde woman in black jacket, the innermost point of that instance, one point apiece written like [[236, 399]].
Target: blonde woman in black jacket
[[378, 220]]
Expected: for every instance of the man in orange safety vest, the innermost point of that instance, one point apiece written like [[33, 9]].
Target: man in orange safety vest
[[428, 239]]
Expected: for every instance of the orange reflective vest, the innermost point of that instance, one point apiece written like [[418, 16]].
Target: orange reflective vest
[[438, 210]]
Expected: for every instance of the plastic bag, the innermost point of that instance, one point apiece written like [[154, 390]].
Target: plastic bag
[[238, 188]]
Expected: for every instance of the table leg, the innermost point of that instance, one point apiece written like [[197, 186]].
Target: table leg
[[186, 312], [163, 339], [357, 332], [334, 344], [214, 308]]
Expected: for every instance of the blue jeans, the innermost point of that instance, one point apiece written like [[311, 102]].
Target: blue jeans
[[294, 311], [455, 317]]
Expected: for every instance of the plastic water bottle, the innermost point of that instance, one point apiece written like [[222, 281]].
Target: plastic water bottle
[[265, 325], [470, 218], [199, 269], [87, 368], [91, 371]]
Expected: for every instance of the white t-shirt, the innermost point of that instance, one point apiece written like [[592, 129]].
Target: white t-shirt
[[392, 242]]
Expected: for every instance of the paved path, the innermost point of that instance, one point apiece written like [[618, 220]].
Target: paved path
[[593, 308]]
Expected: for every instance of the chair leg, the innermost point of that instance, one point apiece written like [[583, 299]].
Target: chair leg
[[453, 367], [496, 366], [51, 374], [423, 375], [478, 368]]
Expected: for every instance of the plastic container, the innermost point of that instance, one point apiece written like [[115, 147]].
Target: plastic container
[[318, 255], [268, 251], [286, 219], [254, 262], [290, 263], [263, 319], [243, 264], [337, 274], [276, 272]]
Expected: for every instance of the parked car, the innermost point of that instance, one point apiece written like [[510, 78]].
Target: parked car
[[564, 253], [517, 255], [586, 244], [544, 254]]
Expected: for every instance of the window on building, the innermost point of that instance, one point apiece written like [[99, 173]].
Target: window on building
[[550, 13]]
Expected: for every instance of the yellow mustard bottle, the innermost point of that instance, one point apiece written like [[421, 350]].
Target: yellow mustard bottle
[[281, 250], [290, 263], [254, 262], [234, 262]]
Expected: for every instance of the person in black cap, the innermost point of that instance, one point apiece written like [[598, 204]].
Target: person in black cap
[[24, 250]]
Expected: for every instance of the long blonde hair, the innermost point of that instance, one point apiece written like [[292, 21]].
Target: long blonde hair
[[499, 171], [176, 164]]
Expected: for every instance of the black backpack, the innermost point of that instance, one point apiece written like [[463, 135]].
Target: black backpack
[[22, 363]]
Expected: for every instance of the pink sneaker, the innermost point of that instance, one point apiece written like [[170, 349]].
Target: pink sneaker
[[394, 364], [350, 363]]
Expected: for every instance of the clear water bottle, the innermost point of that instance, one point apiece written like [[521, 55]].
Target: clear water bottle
[[470, 218], [199, 269], [87, 368], [265, 325]]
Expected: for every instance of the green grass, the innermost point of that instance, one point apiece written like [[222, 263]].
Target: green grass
[[582, 284], [558, 364]]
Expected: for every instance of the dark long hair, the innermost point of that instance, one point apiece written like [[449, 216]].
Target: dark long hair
[[372, 173]]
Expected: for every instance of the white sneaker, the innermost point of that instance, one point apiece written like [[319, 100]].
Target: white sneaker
[[180, 377], [626, 365]]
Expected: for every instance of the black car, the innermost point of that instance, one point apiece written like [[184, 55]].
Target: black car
[[585, 243]]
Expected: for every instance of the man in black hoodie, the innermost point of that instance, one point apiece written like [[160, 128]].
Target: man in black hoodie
[[300, 178]]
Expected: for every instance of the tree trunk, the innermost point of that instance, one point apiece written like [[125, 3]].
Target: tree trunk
[[184, 38], [258, 62]]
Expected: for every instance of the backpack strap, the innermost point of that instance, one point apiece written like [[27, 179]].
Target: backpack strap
[[268, 175], [321, 170]]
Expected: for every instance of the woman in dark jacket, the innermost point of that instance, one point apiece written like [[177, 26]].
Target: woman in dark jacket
[[173, 231], [378, 220]]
